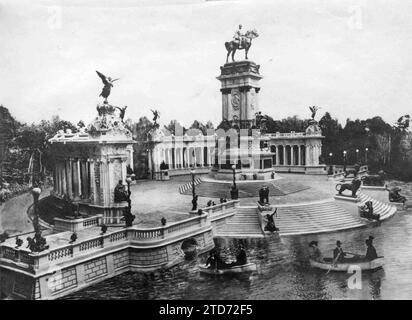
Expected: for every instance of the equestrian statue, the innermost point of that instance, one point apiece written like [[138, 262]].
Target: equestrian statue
[[241, 41]]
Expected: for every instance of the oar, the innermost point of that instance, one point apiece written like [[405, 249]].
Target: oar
[[333, 262]]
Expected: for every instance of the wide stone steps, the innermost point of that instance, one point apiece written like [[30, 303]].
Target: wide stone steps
[[220, 189], [188, 186], [315, 218], [308, 218], [244, 223]]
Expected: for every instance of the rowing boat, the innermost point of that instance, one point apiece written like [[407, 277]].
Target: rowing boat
[[363, 264], [248, 267]]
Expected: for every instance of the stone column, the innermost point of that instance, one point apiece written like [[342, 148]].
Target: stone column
[[124, 171], [186, 158], [299, 155], [84, 179], [308, 155], [93, 187], [277, 156], [75, 179], [181, 163], [284, 156], [105, 173], [64, 180]]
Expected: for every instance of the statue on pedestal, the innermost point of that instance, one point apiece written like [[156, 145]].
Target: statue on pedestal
[[108, 84], [194, 202], [394, 195], [366, 211], [240, 41], [264, 195], [37, 244], [313, 110], [353, 186], [122, 112], [120, 193], [156, 115], [270, 225]]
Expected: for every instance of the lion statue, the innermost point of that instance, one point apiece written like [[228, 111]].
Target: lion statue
[[374, 179], [353, 186]]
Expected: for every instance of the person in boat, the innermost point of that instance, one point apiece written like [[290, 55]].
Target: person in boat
[[211, 262], [315, 252], [338, 254], [241, 257], [370, 250]]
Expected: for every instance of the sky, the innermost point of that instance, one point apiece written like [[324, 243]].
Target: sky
[[351, 58]]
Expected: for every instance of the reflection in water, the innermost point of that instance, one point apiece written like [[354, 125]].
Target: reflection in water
[[283, 271]]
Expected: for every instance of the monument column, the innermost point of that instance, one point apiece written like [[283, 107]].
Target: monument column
[[239, 88]]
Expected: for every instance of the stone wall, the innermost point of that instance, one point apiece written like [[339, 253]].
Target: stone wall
[[63, 280], [148, 257], [95, 268], [121, 259]]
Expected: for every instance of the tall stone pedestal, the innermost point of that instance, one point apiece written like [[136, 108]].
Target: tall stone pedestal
[[240, 90]]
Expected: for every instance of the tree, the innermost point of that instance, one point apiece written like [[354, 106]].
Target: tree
[[8, 127], [174, 127]]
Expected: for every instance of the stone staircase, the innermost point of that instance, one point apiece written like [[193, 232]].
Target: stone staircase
[[213, 189], [383, 209], [244, 223], [188, 186], [323, 216], [288, 186]]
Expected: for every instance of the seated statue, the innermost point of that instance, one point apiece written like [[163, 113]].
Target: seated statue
[[270, 225], [120, 193], [264, 195], [394, 195], [353, 186], [366, 211]]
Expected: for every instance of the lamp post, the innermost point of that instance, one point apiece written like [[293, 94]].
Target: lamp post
[[234, 193], [357, 155], [36, 194], [366, 155], [193, 183], [129, 201], [330, 163], [38, 243], [344, 160], [127, 212]]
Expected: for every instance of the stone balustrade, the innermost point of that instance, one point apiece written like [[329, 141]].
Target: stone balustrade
[[220, 209], [38, 262], [75, 225]]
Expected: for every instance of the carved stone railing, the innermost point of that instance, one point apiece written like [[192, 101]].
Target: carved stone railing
[[75, 225], [220, 209], [137, 236]]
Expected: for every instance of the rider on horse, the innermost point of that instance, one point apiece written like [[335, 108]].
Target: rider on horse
[[238, 37]]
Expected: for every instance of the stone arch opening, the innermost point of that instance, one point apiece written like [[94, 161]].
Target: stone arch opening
[[189, 248]]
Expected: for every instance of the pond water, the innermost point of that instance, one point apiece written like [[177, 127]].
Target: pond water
[[283, 270]]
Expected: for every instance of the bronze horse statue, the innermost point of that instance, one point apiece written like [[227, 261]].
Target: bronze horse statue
[[246, 42]]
